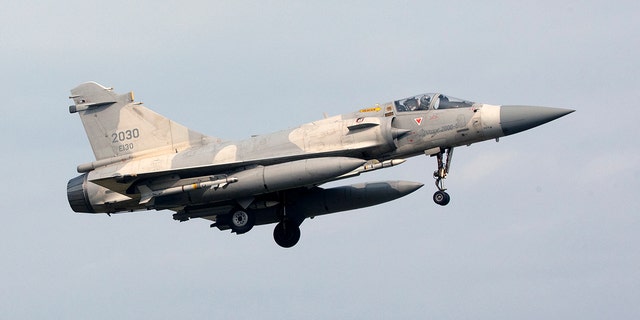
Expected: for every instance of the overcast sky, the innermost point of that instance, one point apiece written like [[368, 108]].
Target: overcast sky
[[542, 225]]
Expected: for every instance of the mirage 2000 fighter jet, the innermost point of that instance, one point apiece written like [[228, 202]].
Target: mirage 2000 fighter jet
[[145, 161]]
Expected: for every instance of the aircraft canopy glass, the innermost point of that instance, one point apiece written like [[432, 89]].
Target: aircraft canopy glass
[[430, 101]]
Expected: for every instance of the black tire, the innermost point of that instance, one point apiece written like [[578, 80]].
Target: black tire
[[241, 221], [442, 198], [286, 234]]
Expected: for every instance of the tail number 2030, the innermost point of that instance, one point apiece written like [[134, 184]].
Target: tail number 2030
[[125, 135]]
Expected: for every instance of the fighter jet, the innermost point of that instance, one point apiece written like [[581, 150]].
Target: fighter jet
[[144, 161]]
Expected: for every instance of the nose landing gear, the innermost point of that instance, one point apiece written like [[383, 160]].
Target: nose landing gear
[[441, 197]]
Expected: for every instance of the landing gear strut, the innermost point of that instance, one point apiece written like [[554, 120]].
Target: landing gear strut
[[441, 197]]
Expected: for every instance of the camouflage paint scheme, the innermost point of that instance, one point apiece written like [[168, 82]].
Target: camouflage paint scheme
[[145, 161]]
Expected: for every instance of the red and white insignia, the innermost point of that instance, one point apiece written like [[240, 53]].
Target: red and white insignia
[[418, 120]]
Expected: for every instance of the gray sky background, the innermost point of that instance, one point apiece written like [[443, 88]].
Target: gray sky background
[[543, 224]]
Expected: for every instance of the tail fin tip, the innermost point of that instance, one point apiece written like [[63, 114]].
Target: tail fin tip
[[117, 126], [91, 95]]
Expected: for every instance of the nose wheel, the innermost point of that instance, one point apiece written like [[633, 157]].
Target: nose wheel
[[441, 197]]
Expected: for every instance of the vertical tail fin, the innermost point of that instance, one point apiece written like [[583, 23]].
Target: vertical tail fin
[[118, 126]]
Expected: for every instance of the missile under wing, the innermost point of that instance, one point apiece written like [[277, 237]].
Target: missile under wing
[[144, 161]]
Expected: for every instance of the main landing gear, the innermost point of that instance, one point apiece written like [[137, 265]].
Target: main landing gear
[[287, 231], [441, 197], [241, 221]]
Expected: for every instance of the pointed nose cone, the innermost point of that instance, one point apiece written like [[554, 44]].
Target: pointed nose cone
[[514, 119]]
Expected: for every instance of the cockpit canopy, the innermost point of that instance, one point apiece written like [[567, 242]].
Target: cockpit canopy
[[430, 101]]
